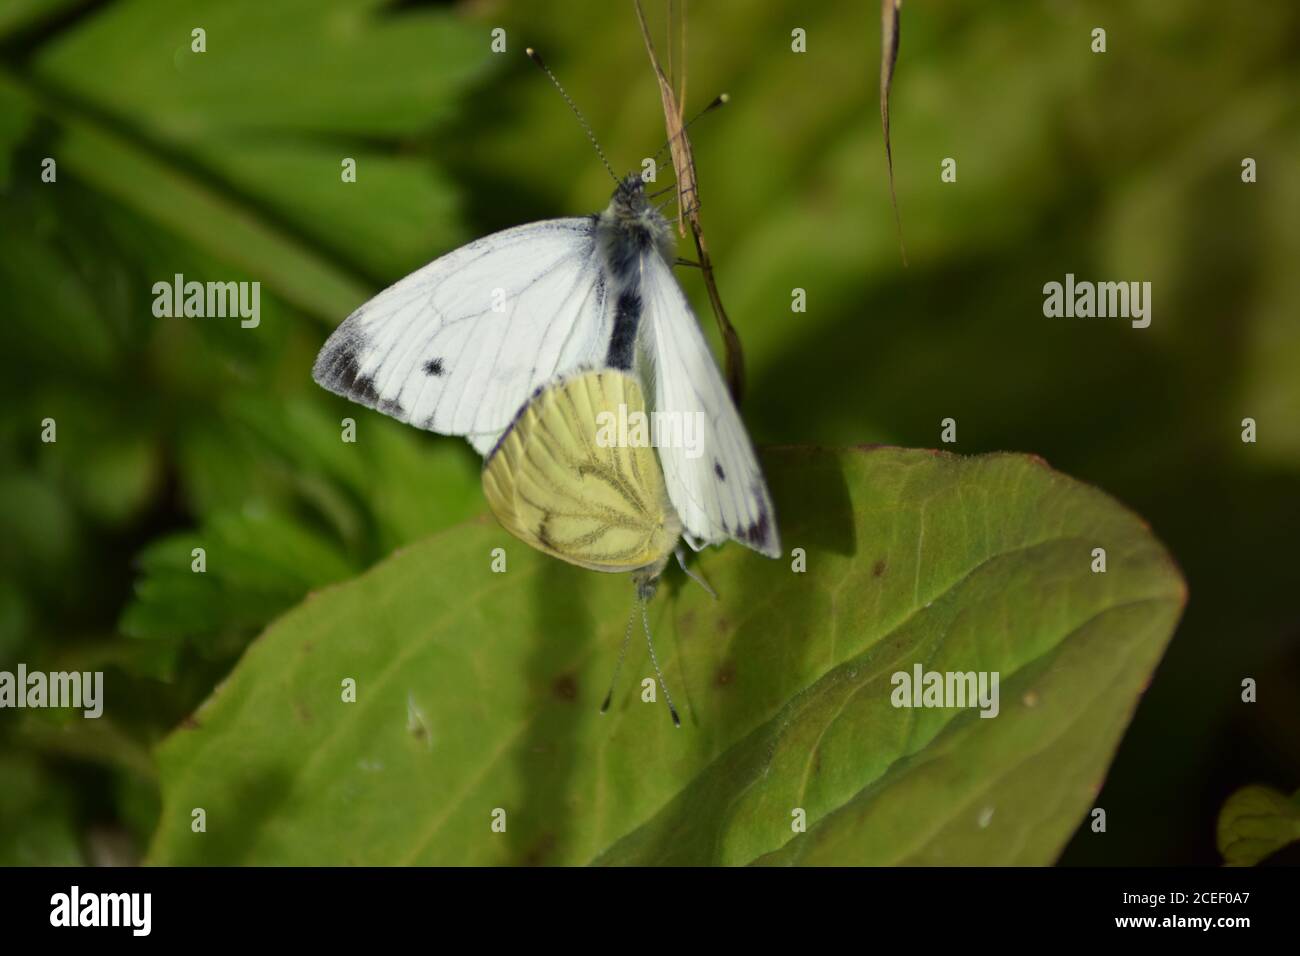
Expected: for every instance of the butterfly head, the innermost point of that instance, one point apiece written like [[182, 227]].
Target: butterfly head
[[630, 193], [631, 220]]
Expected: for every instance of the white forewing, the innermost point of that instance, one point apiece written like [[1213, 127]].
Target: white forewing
[[458, 346], [721, 493]]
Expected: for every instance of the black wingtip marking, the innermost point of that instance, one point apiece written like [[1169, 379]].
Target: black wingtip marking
[[349, 380], [346, 378], [433, 367], [337, 368], [717, 470], [757, 532], [363, 390]]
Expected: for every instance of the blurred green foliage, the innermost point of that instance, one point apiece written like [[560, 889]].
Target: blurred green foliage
[[225, 165], [1255, 823]]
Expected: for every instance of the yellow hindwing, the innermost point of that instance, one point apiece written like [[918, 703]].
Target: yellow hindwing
[[557, 482]]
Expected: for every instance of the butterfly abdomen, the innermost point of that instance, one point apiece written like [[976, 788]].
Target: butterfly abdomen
[[627, 321]]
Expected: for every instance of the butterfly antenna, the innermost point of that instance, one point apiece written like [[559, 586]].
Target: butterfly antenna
[[722, 99], [698, 579], [645, 620], [536, 58], [627, 636]]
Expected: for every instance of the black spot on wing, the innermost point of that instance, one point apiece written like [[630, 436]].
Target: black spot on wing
[[433, 367], [717, 470], [627, 318]]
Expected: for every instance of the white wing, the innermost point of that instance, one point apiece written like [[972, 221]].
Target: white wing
[[720, 493], [459, 345]]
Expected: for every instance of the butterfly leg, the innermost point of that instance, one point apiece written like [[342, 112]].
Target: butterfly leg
[[697, 578]]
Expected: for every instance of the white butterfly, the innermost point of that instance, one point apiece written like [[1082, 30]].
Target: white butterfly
[[459, 346]]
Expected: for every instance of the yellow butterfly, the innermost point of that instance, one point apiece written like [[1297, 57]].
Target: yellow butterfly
[[563, 480]]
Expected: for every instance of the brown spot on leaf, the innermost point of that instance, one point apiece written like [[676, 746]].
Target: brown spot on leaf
[[878, 569], [725, 675], [565, 687], [539, 851], [191, 723]]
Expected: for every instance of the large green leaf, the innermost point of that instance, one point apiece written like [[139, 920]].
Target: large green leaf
[[479, 690]]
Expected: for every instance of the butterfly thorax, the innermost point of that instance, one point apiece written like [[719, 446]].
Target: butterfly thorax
[[629, 227]]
